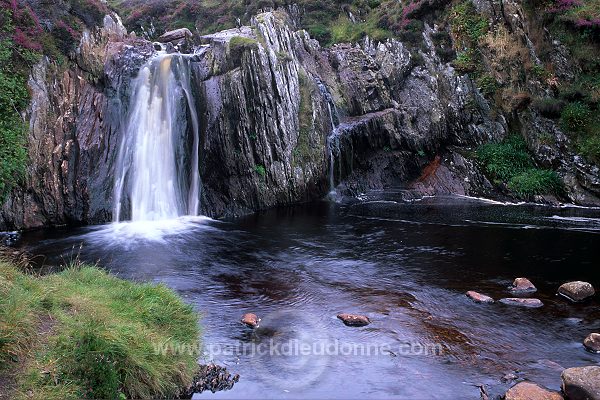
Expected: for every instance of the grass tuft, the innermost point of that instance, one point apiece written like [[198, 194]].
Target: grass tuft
[[106, 336], [509, 162]]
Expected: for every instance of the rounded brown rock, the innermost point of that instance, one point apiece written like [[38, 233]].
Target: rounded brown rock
[[354, 319]]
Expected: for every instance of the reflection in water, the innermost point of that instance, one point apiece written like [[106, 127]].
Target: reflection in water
[[404, 265]]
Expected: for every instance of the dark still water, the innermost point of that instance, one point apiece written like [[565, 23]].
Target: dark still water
[[406, 266]]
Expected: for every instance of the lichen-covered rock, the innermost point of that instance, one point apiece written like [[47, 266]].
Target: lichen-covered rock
[[581, 383]]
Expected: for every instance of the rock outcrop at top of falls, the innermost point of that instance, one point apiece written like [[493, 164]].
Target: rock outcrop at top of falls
[[272, 106]]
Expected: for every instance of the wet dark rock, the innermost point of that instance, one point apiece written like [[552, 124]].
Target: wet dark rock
[[531, 391], [522, 286], [479, 298], [531, 303], [581, 383], [354, 320], [250, 320], [576, 291], [212, 378], [592, 342]]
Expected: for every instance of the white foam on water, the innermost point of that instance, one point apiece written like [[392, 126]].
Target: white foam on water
[[125, 234], [584, 220]]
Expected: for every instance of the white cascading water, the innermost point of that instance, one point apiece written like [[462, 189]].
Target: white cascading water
[[332, 146], [157, 170], [332, 139]]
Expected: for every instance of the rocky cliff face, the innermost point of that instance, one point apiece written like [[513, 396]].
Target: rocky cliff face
[[277, 113], [75, 121]]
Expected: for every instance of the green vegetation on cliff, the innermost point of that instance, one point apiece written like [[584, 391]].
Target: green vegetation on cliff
[[82, 333], [27, 33], [13, 99], [508, 162]]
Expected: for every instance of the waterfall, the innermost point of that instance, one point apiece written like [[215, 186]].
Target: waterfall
[[333, 138], [157, 167]]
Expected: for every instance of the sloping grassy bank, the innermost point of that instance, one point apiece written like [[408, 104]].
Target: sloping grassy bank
[[83, 333]]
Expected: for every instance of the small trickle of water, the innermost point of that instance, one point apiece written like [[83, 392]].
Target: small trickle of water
[[157, 168], [333, 144]]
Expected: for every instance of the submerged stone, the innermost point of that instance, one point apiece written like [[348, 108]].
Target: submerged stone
[[478, 297], [576, 291], [531, 303], [531, 391], [581, 383], [354, 320]]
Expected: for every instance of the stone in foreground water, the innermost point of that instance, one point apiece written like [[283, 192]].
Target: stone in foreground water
[[576, 291], [531, 391], [523, 285], [592, 342], [354, 320], [531, 303], [581, 383], [478, 297], [250, 320]]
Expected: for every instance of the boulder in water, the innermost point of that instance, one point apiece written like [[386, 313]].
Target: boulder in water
[[523, 285], [531, 391], [531, 303], [354, 320], [479, 298], [581, 383], [592, 342], [576, 291], [250, 320]]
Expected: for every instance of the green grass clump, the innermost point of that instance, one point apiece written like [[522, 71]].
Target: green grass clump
[[505, 159], [107, 338], [509, 162], [467, 24], [487, 84], [584, 123], [345, 31], [238, 43], [19, 296], [575, 116], [535, 181], [260, 170]]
